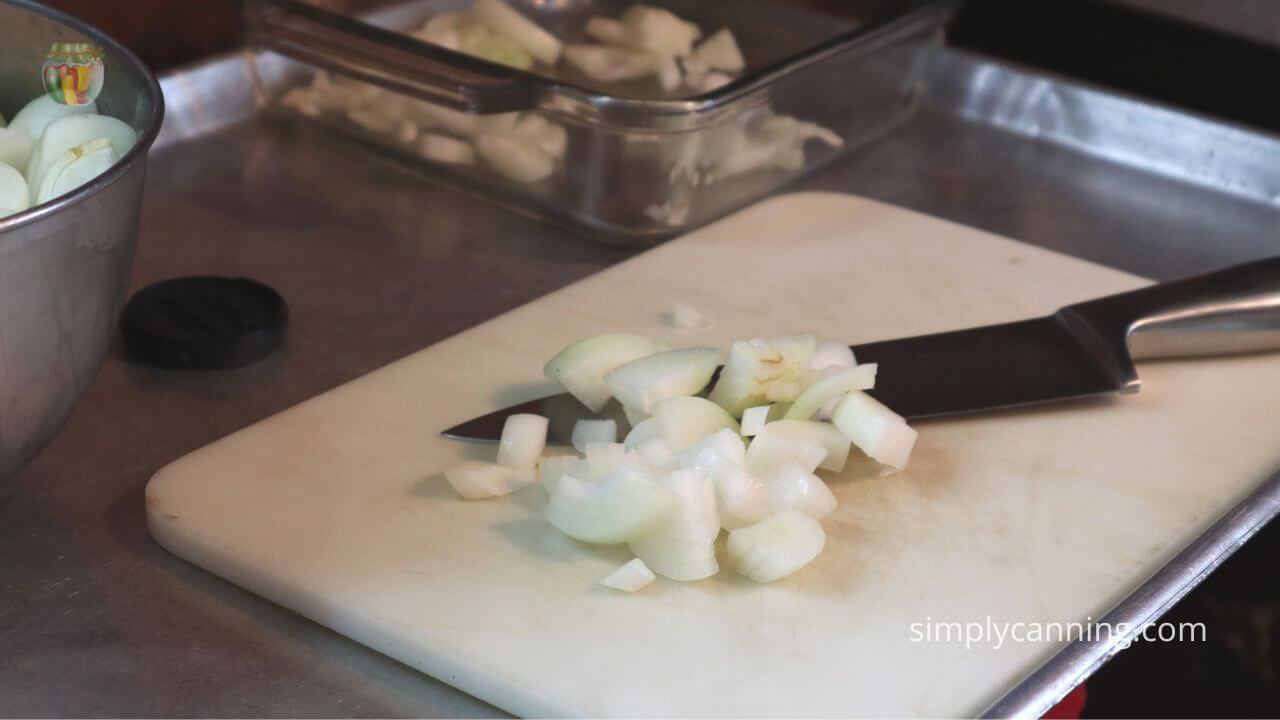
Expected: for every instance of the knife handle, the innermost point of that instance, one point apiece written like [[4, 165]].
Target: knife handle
[[1228, 311]]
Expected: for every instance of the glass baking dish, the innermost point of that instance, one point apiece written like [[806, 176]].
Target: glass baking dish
[[629, 168]]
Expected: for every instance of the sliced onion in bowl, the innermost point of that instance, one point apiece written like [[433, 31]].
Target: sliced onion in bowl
[[16, 146], [14, 196], [76, 167], [38, 114], [72, 131]]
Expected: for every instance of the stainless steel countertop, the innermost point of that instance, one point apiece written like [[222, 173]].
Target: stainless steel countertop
[[96, 619]]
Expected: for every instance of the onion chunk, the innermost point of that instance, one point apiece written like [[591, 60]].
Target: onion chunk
[[642, 432], [616, 509], [792, 487], [755, 366], [860, 377], [476, 479], [776, 546], [878, 431], [581, 367], [630, 577], [524, 436], [553, 467], [593, 431], [754, 419], [642, 383], [683, 421], [787, 440], [681, 546], [604, 459]]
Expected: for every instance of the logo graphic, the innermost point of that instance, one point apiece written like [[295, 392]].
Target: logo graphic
[[73, 72]]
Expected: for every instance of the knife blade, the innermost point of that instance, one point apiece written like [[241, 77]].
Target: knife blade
[[1080, 351], [963, 371]]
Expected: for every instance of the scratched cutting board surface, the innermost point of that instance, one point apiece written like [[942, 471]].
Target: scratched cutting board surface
[[336, 508]]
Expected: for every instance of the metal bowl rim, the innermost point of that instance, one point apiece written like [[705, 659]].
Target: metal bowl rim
[[135, 155]]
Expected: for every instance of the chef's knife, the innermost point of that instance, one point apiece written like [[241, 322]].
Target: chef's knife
[[1081, 350]]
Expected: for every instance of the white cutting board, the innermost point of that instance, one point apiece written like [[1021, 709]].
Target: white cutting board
[[336, 508]]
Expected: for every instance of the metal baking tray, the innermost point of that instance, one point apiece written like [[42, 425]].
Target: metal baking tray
[[632, 166], [377, 263]]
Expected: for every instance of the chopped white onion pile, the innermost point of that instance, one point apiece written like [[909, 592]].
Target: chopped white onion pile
[[630, 577], [687, 469], [50, 149], [646, 44]]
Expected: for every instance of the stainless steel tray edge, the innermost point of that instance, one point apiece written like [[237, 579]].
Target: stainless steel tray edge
[[1130, 131], [1039, 691], [916, 166]]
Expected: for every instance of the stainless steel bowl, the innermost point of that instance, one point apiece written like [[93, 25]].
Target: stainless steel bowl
[[64, 265]]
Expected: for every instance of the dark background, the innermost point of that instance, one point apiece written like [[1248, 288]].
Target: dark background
[[1219, 58]]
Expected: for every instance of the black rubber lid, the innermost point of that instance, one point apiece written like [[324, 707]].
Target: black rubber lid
[[203, 323]]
